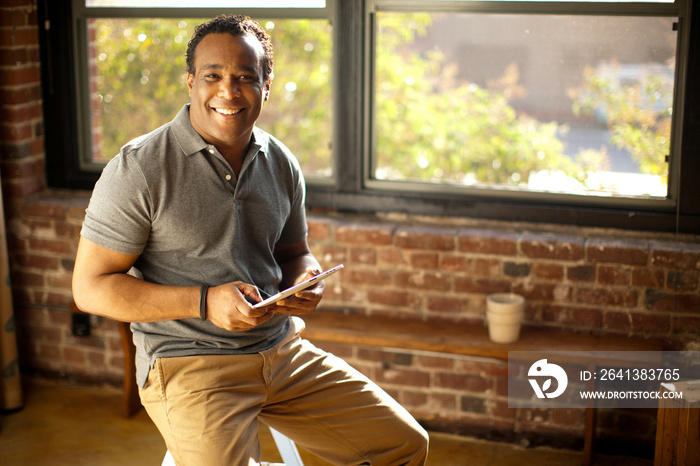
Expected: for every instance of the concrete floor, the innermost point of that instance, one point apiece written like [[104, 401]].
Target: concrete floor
[[74, 426]]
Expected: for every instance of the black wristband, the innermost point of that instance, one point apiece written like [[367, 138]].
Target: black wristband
[[203, 302]]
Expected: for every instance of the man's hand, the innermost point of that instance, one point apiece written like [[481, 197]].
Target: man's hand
[[303, 301], [228, 308]]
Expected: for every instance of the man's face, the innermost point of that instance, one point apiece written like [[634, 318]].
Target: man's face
[[227, 90]]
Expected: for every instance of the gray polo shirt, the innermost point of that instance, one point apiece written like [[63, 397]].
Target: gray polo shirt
[[174, 200]]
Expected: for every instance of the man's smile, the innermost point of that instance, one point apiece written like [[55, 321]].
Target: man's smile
[[228, 111]]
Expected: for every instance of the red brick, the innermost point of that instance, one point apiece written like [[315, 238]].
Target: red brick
[[96, 359], [675, 258], [614, 275], [442, 402], [548, 246], [581, 273], [363, 255], [34, 261], [20, 76], [482, 286], [682, 280], [495, 369], [637, 322], [18, 17], [617, 252], [454, 263], [656, 300], [482, 267], [13, 132], [333, 254], [607, 297], [424, 260], [540, 291], [27, 279], [377, 235], [52, 246], [647, 277], [472, 404], [423, 281], [573, 316], [487, 242], [462, 382], [393, 298], [391, 256], [74, 355], [447, 304], [686, 324], [411, 399], [20, 95], [319, 230], [547, 271], [45, 209], [368, 276], [425, 238], [435, 362], [500, 409]]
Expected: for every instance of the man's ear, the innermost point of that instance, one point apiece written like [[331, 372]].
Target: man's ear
[[190, 82], [267, 88]]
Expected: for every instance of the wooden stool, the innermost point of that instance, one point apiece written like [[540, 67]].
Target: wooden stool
[[678, 426]]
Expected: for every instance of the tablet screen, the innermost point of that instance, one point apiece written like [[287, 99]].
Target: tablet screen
[[298, 287]]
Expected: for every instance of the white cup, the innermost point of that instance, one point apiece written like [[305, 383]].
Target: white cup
[[504, 314], [505, 303]]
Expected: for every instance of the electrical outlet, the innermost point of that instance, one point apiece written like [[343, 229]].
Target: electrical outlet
[[80, 324]]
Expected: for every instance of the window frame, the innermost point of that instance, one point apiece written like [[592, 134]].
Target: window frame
[[351, 189]]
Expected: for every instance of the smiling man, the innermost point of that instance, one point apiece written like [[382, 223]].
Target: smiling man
[[187, 227]]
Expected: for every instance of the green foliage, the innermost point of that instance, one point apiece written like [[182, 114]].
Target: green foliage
[[429, 126], [432, 128], [141, 81], [140, 76], [638, 113]]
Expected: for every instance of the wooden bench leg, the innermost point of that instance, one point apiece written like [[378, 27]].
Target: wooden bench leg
[[589, 430], [130, 396]]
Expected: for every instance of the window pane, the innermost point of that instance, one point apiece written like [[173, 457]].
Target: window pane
[[568, 104], [206, 3], [138, 83]]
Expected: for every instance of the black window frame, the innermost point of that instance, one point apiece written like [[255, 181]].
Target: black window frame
[[349, 190]]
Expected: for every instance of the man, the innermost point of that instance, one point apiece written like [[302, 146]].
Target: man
[[186, 227]]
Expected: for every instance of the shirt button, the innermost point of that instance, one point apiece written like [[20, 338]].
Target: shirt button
[[211, 149], [228, 177]]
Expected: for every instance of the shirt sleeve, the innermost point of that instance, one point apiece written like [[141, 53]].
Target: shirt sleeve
[[118, 216]]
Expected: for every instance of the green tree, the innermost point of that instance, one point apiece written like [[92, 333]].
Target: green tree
[[141, 83], [638, 114], [431, 127]]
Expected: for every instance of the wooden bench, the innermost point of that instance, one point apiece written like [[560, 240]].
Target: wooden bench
[[468, 340], [438, 337]]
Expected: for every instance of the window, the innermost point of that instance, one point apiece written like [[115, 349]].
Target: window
[[534, 104], [573, 112], [525, 102], [136, 78]]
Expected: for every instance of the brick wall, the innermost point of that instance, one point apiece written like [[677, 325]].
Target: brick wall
[[573, 279], [604, 281]]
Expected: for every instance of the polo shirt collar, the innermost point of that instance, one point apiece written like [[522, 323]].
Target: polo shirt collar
[[191, 142]]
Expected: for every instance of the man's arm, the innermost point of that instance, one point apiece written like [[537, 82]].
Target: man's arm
[[298, 264], [102, 286]]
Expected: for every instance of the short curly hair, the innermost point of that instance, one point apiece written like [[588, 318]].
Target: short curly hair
[[235, 25]]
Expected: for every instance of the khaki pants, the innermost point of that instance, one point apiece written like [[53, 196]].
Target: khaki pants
[[207, 408]]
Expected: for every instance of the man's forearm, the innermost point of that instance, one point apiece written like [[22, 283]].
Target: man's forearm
[[125, 298]]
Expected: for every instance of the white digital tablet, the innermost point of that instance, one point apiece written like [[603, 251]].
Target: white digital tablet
[[298, 287]]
